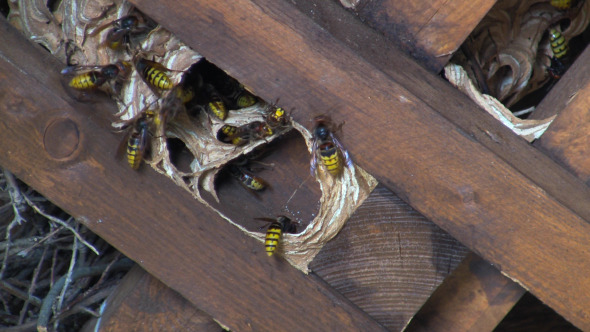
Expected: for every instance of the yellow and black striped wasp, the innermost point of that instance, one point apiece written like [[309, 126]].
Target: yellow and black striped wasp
[[327, 149], [215, 105], [88, 78], [559, 47], [154, 74], [243, 98], [135, 143], [229, 134], [248, 180], [275, 230], [121, 30], [276, 117], [244, 134], [242, 169], [237, 94]]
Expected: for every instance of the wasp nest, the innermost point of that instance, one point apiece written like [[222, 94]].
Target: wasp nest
[[509, 55], [74, 31], [511, 44]]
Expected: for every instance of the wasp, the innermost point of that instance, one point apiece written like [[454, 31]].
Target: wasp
[[216, 104], [154, 74], [241, 97], [559, 47], [244, 134], [327, 148], [245, 99], [93, 77], [229, 134], [136, 140], [248, 180], [276, 117], [275, 230], [121, 30], [561, 4]]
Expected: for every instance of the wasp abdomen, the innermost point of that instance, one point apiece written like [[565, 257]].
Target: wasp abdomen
[[86, 81], [330, 158], [154, 74], [245, 99], [273, 236], [558, 44], [217, 107], [134, 153], [252, 182], [157, 78]]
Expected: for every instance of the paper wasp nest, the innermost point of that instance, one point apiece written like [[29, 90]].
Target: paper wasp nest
[[71, 27], [508, 56], [511, 45]]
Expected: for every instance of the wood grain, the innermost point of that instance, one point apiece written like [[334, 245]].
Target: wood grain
[[530, 314], [475, 297], [388, 259], [567, 137], [431, 31], [454, 176], [145, 215], [143, 303]]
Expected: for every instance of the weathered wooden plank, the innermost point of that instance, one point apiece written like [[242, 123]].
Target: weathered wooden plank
[[388, 259], [567, 137], [445, 172], [431, 31], [475, 297], [145, 215], [143, 303], [530, 314]]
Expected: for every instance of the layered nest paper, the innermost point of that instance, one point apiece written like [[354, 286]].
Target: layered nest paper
[[68, 28]]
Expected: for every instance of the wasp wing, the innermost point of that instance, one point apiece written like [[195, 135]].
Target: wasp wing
[[314, 157], [343, 151]]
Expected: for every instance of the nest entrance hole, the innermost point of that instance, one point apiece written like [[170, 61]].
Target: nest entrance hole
[[293, 192]]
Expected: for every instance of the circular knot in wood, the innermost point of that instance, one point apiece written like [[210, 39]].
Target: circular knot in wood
[[61, 138]]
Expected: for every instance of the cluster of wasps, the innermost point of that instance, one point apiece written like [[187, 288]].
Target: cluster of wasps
[[82, 80], [328, 152], [220, 93]]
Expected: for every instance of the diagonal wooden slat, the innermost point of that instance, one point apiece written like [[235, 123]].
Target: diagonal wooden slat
[[472, 298], [430, 30], [142, 302], [448, 173], [567, 137], [65, 150]]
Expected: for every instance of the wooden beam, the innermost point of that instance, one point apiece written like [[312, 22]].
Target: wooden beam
[[65, 149], [431, 31], [467, 179], [567, 137], [142, 302], [475, 297], [388, 259]]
